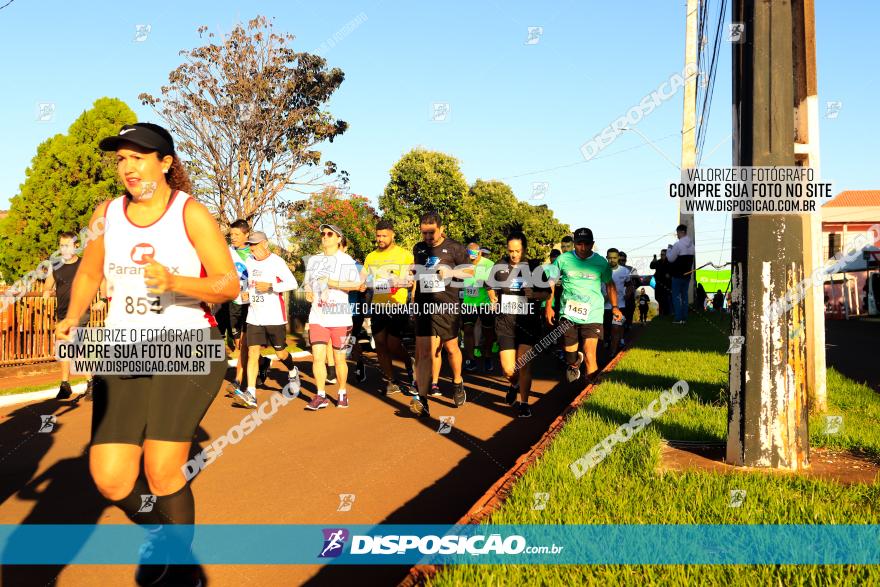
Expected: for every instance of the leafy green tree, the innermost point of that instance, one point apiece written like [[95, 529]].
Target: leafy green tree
[[497, 209], [422, 181], [67, 178], [353, 214], [542, 229]]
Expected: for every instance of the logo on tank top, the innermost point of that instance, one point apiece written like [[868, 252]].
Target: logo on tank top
[[140, 250]]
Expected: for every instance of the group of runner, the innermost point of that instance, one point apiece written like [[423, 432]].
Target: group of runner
[[446, 292], [157, 276]]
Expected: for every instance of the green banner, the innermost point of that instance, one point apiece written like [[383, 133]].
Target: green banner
[[713, 280]]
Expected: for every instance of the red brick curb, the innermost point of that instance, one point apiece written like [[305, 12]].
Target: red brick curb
[[497, 494]]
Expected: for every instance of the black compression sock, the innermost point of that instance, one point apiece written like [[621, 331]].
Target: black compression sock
[[177, 514], [177, 508], [288, 362], [139, 505]]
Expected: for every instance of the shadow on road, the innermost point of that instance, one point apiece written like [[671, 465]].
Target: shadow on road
[[63, 494]]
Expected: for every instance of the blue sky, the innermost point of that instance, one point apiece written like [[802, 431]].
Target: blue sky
[[516, 108]]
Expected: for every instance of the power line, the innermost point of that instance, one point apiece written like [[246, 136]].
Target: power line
[[708, 93], [613, 154]]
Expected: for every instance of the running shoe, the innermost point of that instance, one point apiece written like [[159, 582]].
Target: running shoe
[[489, 365], [419, 407], [294, 383], [458, 394], [573, 373], [411, 390], [435, 390], [153, 558], [64, 391], [391, 388], [343, 401], [591, 378], [510, 396], [331, 374], [230, 391], [90, 388], [360, 371], [318, 402], [183, 576], [244, 398], [470, 365], [524, 410]]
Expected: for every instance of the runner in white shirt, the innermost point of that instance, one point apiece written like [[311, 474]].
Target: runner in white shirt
[[329, 277], [619, 275], [235, 312], [632, 285], [268, 278], [158, 276]]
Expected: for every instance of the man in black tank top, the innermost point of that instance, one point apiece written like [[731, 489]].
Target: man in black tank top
[[61, 281]]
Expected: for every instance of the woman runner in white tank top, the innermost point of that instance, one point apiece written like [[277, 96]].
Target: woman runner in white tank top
[[164, 259]]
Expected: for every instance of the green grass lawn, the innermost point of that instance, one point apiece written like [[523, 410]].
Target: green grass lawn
[[626, 488], [30, 388]]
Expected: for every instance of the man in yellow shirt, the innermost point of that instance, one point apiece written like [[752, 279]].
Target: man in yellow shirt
[[386, 273]]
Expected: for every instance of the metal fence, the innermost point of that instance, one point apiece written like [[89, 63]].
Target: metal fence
[[27, 329], [27, 325]]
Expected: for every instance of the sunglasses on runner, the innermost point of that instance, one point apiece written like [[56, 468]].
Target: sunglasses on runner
[[328, 233]]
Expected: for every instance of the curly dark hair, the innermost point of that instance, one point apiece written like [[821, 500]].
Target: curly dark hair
[[177, 177]]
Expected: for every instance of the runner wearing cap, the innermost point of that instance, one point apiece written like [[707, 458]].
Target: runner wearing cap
[[329, 277], [157, 277], [385, 272], [581, 273], [518, 286], [268, 278], [475, 298], [357, 301], [440, 265]]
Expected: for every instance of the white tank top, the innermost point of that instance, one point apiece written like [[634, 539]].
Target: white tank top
[[125, 244]]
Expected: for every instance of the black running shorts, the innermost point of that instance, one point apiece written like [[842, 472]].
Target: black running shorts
[[131, 409], [274, 336], [446, 325], [512, 332], [237, 319], [393, 324], [576, 333]]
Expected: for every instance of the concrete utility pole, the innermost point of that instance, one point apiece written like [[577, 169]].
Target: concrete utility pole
[[806, 151], [689, 118], [767, 418]]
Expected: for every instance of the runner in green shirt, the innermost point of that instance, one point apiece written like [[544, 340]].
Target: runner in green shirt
[[475, 296], [582, 273]]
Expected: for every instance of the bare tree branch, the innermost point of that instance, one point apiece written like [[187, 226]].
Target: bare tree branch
[[248, 113]]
